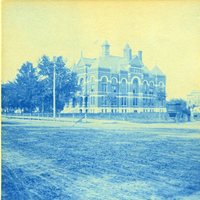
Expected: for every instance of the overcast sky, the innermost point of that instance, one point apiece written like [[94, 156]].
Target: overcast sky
[[168, 33]]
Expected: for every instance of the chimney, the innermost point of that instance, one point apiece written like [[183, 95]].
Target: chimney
[[127, 52], [105, 49], [140, 55]]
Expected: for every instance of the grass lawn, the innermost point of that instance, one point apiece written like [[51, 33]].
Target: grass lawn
[[50, 160]]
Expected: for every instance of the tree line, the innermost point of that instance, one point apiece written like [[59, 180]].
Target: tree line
[[32, 89]]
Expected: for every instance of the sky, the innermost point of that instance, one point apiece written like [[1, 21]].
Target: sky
[[168, 33]]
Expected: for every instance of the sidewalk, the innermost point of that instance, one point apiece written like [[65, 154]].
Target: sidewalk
[[95, 123]]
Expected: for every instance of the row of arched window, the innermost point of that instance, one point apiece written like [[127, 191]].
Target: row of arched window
[[147, 88], [115, 81]]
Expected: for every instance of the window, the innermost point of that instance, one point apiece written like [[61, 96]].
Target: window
[[123, 86], [114, 85], [151, 91], [135, 86], [92, 84], [81, 83], [135, 101], [114, 88], [92, 100], [151, 102], [81, 101], [145, 88], [114, 101], [92, 87], [123, 101], [104, 84], [103, 100], [161, 84], [86, 101], [151, 88], [74, 102], [144, 101]]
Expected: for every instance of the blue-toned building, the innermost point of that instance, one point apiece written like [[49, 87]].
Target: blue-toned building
[[118, 84]]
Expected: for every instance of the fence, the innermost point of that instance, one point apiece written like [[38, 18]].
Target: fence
[[134, 117]]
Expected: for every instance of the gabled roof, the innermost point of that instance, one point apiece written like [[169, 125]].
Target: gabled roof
[[145, 69], [156, 71], [114, 63], [85, 61], [136, 61]]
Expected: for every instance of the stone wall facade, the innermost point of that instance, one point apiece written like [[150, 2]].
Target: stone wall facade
[[113, 84]]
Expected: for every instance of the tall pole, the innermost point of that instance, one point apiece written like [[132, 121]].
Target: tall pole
[[54, 90], [86, 95]]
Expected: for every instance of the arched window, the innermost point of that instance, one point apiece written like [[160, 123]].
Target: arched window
[[114, 85], [104, 84], [123, 86], [74, 102], [135, 86], [151, 88], [81, 101], [86, 101], [161, 86], [145, 87], [81, 84], [92, 84]]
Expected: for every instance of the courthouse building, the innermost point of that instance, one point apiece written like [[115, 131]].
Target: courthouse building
[[118, 84]]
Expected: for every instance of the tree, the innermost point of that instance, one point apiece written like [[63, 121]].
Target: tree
[[33, 87], [26, 86], [9, 97], [45, 82], [66, 82]]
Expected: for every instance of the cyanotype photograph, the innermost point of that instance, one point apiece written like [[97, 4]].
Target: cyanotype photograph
[[100, 100]]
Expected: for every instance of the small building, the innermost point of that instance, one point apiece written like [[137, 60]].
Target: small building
[[193, 101], [193, 98], [118, 84]]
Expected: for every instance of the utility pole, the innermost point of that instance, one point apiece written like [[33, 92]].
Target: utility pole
[[54, 89], [86, 93]]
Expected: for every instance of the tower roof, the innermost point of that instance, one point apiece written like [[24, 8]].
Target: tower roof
[[114, 63], [105, 43]]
